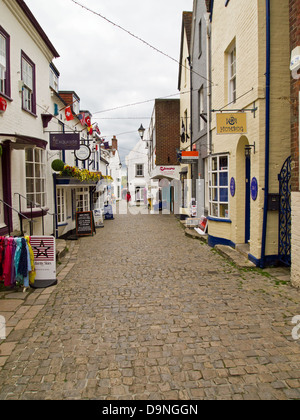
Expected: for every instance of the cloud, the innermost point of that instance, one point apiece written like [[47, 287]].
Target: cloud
[[107, 67]]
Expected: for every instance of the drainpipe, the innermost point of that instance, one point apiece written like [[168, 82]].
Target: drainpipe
[[267, 138], [55, 206]]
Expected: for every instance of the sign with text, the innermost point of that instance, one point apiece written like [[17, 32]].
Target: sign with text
[[235, 123], [44, 251], [85, 223], [65, 141]]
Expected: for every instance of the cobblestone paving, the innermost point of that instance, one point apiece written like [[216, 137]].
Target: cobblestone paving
[[143, 312]]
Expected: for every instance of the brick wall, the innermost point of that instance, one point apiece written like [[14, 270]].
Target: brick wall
[[295, 87], [167, 124]]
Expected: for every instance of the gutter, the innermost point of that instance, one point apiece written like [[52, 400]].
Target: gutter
[[267, 135]]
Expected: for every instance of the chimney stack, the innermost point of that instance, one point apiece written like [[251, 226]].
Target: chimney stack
[[114, 143]]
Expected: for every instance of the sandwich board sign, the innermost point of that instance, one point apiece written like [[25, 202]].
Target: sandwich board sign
[[44, 251]]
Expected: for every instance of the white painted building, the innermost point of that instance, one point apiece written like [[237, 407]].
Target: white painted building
[[138, 173], [26, 54]]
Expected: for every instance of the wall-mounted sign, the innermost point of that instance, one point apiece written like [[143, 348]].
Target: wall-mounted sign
[[3, 104], [232, 187], [44, 260], [235, 123], [254, 189], [85, 225], [65, 141], [83, 153]]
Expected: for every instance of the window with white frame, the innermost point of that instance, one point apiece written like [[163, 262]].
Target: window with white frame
[[53, 82], [61, 205], [232, 74], [219, 187], [28, 77], [4, 63], [35, 177], [139, 170], [82, 199]]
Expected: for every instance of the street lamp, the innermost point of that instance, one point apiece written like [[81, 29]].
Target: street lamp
[[141, 131]]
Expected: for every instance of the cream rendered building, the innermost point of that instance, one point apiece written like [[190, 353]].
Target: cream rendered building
[[243, 190], [184, 86]]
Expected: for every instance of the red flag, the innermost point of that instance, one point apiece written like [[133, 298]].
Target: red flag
[[68, 113], [88, 121]]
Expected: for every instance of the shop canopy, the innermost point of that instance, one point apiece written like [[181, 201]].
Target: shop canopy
[[20, 141]]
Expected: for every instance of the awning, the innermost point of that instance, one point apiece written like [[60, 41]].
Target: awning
[[19, 141]]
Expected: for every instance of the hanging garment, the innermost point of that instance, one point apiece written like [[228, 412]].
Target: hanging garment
[[13, 267], [7, 262], [2, 252], [32, 273]]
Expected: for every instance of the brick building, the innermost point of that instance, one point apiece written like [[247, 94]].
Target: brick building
[[295, 87], [163, 144]]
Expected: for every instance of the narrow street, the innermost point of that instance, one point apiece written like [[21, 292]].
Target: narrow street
[[143, 312]]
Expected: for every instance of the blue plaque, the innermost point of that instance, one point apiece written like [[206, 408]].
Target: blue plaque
[[254, 189], [232, 187]]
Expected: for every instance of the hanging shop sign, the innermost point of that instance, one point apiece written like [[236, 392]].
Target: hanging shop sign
[[235, 123], [65, 141], [85, 225], [83, 153], [44, 260], [3, 105]]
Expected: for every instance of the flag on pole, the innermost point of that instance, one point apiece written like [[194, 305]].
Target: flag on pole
[[68, 113], [81, 118]]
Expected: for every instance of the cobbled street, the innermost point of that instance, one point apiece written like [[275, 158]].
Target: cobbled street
[[143, 312]]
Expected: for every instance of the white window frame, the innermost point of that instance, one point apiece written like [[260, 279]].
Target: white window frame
[[139, 167], [232, 74], [28, 88], [3, 62], [61, 205], [35, 174], [83, 199], [218, 208]]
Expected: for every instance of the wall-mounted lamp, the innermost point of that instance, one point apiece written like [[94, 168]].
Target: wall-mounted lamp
[[248, 149], [141, 131]]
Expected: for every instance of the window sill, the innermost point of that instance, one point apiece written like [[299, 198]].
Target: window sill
[[219, 219], [35, 212], [29, 112], [8, 98]]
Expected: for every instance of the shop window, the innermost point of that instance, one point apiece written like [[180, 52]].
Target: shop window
[[28, 78], [35, 177], [61, 205], [4, 63], [219, 187]]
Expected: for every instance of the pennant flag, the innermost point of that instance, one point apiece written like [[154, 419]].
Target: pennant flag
[[68, 113]]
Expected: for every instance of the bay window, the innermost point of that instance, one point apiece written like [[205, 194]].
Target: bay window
[[219, 187]]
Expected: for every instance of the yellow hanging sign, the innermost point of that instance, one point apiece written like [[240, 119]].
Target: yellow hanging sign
[[235, 123]]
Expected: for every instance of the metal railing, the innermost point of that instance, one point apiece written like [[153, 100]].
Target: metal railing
[[33, 205], [22, 216]]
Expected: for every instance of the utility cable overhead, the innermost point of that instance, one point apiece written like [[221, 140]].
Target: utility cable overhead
[[139, 39]]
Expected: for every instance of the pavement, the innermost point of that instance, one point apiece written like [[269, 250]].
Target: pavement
[[143, 312]]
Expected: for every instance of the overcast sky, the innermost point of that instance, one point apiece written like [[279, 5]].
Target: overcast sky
[[108, 68]]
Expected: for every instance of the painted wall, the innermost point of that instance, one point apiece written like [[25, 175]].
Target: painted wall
[[243, 23]]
